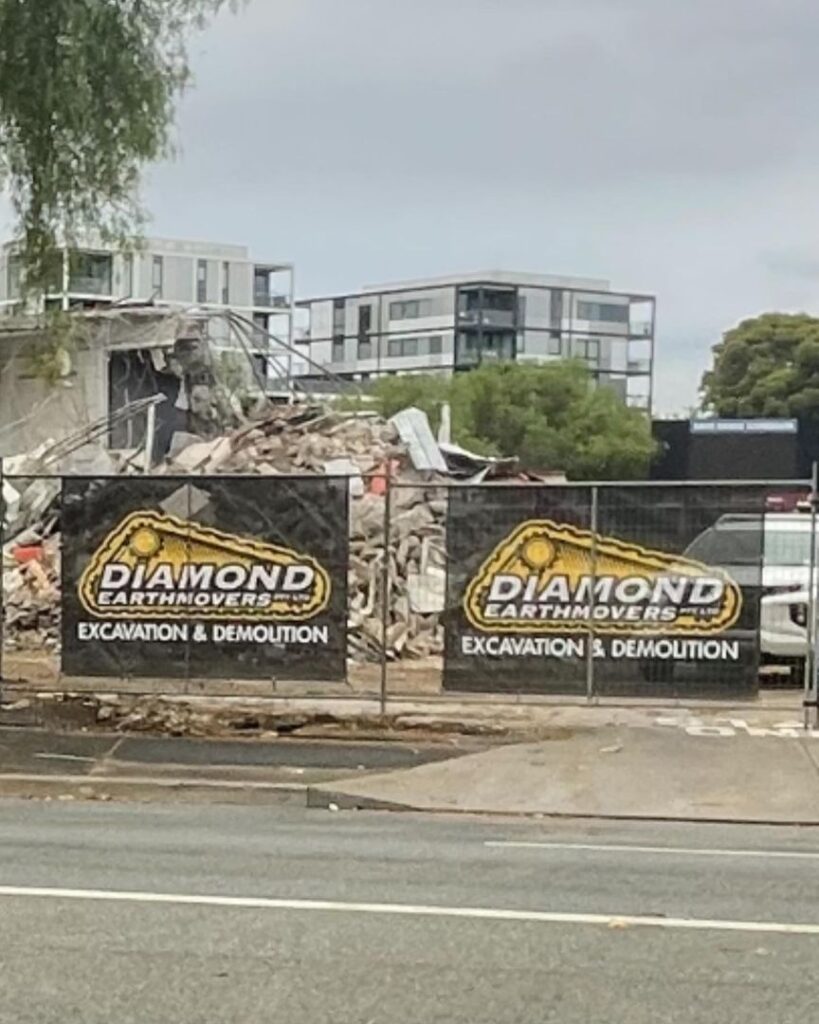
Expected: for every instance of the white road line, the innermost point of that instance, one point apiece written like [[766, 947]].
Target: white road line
[[65, 757], [681, 851], [413, 910]]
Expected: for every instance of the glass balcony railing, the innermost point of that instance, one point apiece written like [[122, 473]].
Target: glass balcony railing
[[270, 300], [89, 285], [487, 317]]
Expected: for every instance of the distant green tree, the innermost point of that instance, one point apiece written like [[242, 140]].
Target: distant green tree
[[767, 366], [550, 416], [424, 391], [87, 95]]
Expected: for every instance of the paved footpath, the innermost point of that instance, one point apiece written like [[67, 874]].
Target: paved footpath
[[680, 766], [225, 915]]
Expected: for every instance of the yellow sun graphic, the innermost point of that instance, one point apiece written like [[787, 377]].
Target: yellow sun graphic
[[538, 552], [145, 542]]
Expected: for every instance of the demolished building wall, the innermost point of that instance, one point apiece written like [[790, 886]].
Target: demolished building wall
[[33, 409]]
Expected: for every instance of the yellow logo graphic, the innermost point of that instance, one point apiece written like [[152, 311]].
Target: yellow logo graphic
[[155, 566], [548, 577]]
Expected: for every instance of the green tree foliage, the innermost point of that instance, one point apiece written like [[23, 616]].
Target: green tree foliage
[[87, 95], [551, 416], [392, 394], [768, 366]]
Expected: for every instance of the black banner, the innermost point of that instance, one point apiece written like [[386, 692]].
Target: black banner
[[662, 597], [210, 577]]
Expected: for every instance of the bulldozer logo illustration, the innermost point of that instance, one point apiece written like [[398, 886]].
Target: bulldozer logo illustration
[[155, 566], [549, 577]]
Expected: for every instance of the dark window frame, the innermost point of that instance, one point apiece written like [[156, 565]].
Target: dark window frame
[[158, 264]]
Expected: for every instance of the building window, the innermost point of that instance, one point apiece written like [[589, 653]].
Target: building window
[[260, 368], [157, 275], [410, 309], [365, 317], [556, 309], [261, 287], [555, 344], [504, 301], [225, 284], [338, 349], [262, 321], [467, 349], [365, 348], [338, 316], [607, 312], [90, 273], [586, 348], [14, 277], [201, 281], [414, 346], [128, 275], [498, 345]]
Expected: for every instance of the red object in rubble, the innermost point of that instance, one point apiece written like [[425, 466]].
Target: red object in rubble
[[28, 553]]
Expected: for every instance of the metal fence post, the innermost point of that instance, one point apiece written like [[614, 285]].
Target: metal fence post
[[385, 589], [809, 701], [592, 595]]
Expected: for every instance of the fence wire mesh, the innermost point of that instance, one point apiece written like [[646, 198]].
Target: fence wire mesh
[[366, 586]]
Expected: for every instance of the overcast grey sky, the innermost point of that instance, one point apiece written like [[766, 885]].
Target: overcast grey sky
[[668, 145]]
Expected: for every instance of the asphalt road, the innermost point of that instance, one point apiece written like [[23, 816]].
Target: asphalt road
[[381, 918]]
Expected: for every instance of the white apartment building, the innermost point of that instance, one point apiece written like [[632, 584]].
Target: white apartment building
[[172, 272], [453, 324]]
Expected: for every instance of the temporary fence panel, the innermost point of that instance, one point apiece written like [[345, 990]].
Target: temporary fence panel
[[413, 587], [677, 601], [505, 544], [217, 578], [110, 532], [603, 590]]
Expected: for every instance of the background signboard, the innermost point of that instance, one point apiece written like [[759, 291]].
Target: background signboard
[[217, 577], [533, 591]]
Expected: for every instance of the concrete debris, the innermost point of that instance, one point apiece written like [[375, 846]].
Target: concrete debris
[[291, 440], [297, 439], [300, 439], [31, 593], [414, 429]]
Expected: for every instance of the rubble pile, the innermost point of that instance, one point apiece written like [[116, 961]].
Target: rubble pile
[[299, 439], [31, 593], [296, 440], [415, 572]]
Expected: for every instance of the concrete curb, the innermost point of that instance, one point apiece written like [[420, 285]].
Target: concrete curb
[[145, 789], [326, 799], [329, 799]]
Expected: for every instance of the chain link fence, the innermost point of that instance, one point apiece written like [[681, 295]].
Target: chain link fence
[[407, 589]]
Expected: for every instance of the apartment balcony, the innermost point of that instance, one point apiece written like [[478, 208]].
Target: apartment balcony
[[89, 285], [270, 300], [486, 318], [639, 366]]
